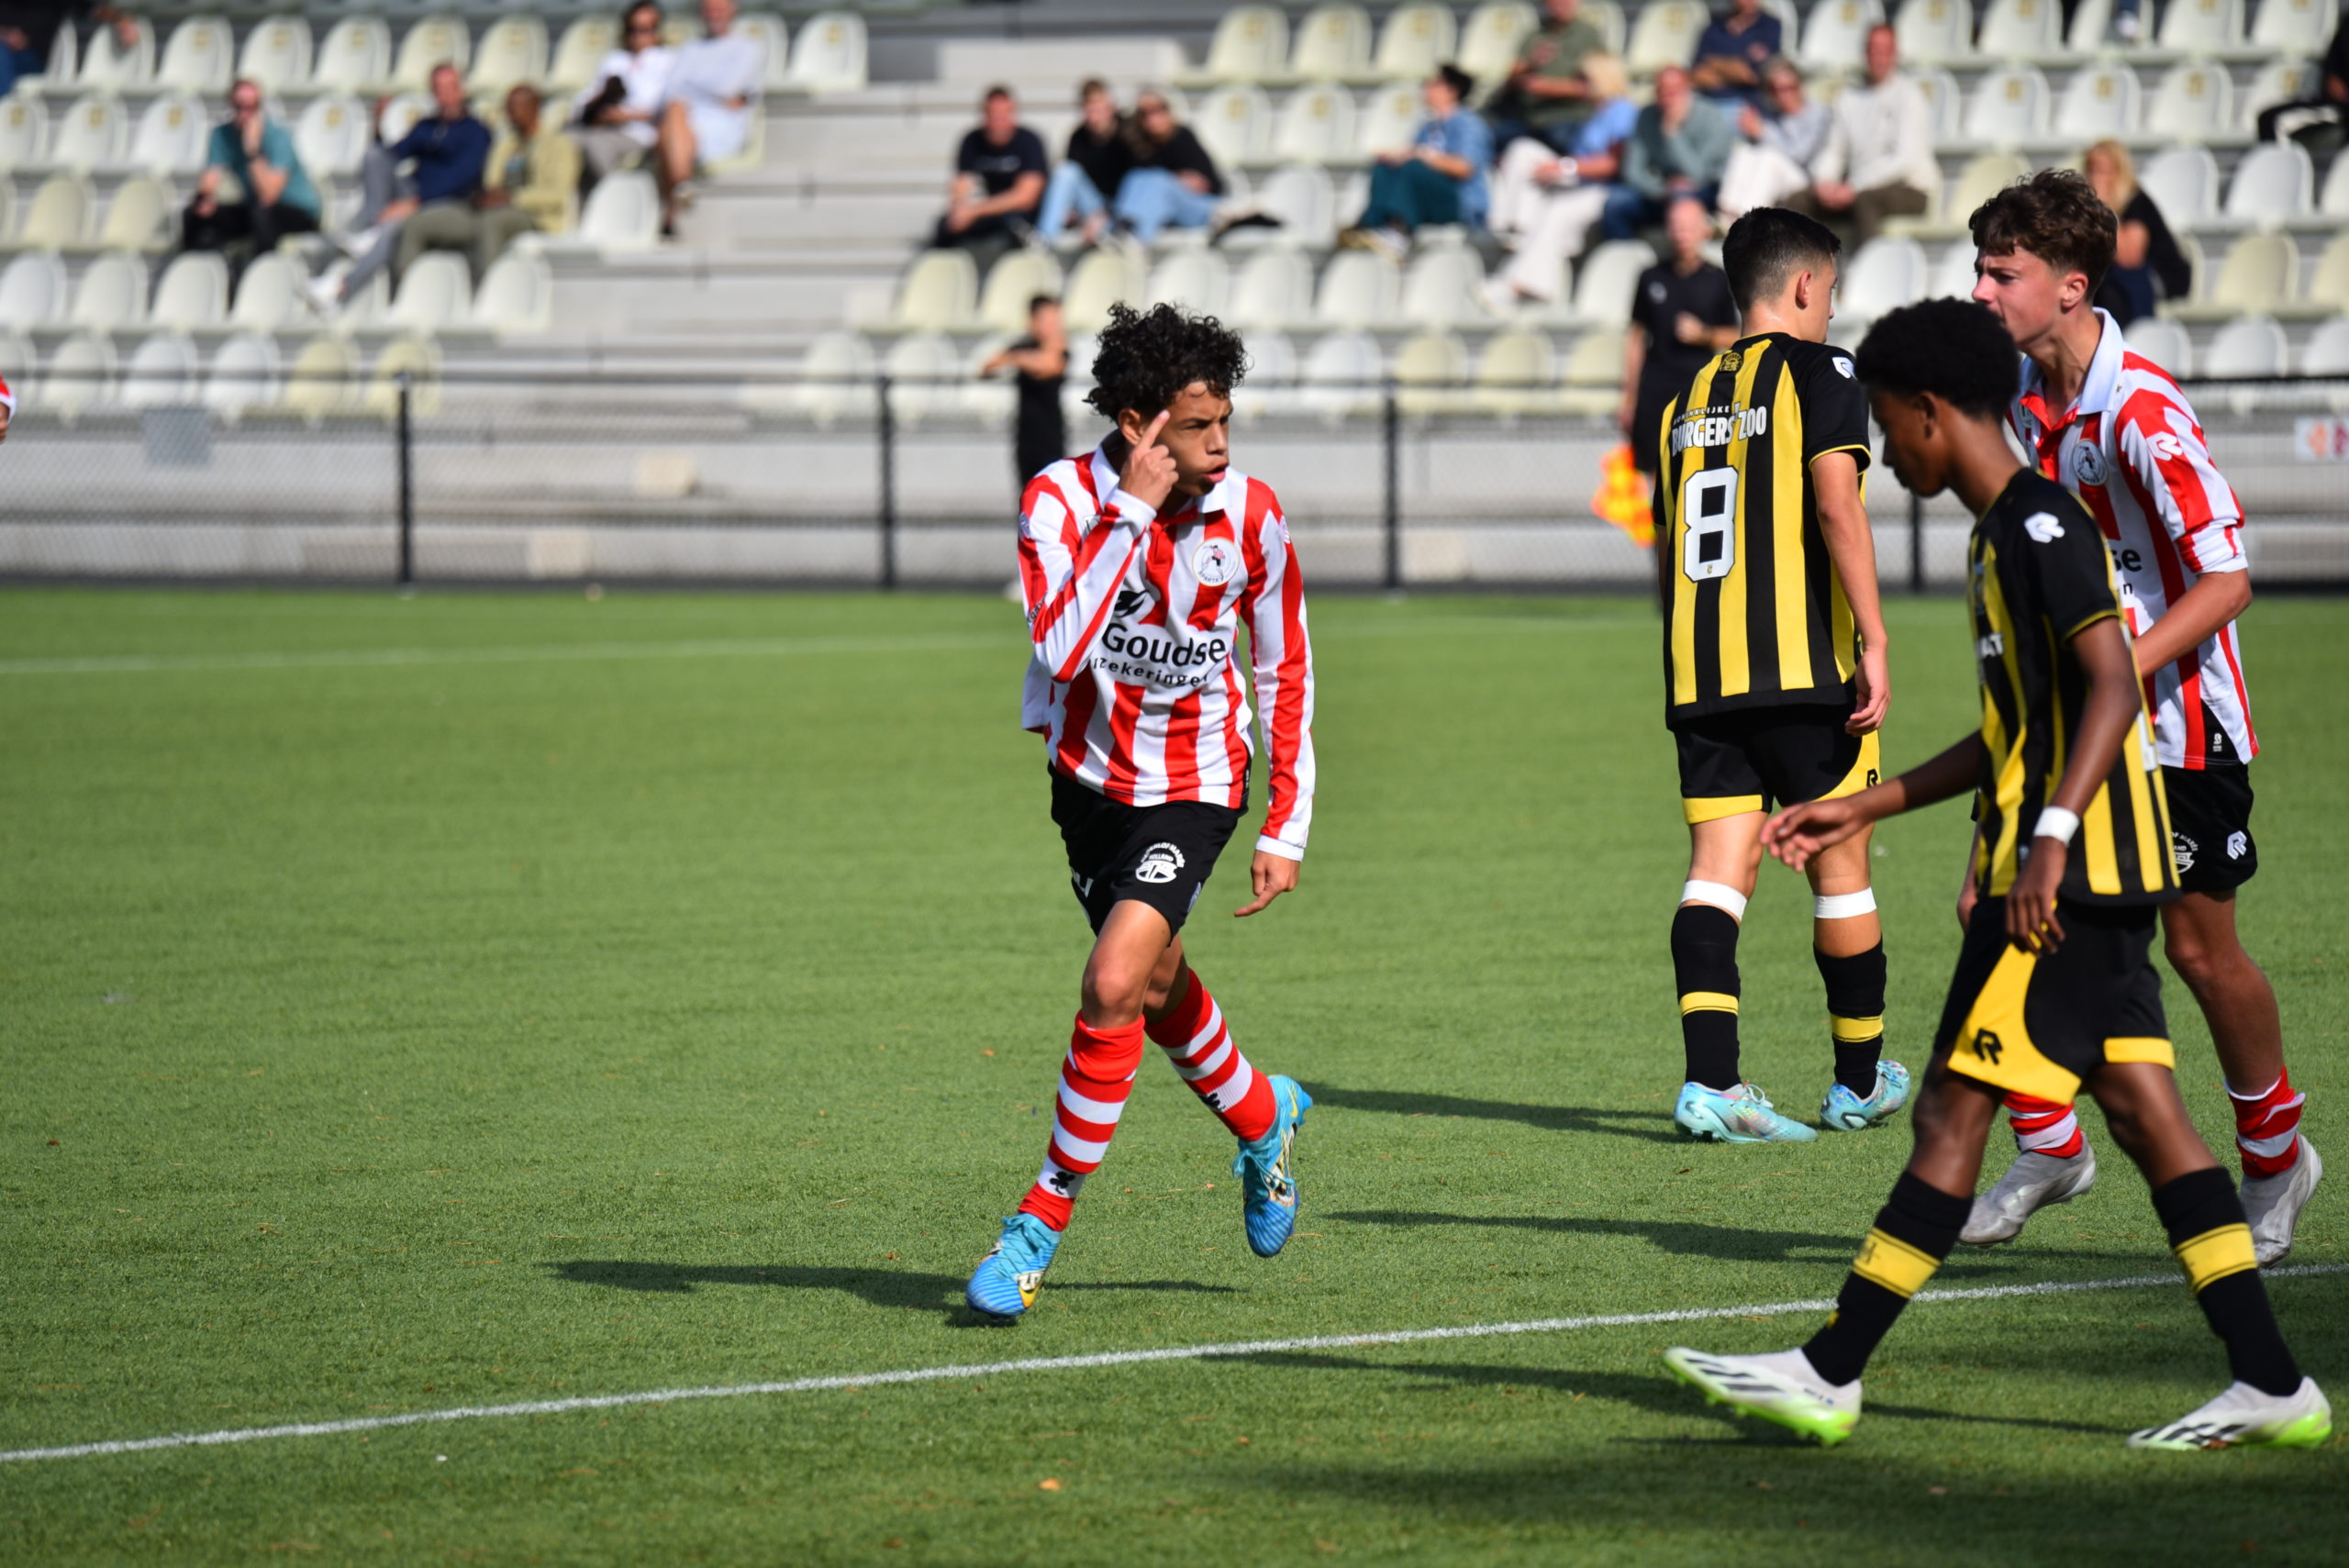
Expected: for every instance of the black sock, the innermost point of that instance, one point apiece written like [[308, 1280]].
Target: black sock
[[1856, 1015], [1914, 1231], [1704, 962], [2207, 1231]]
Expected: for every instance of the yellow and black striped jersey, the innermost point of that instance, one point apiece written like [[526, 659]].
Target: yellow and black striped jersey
[[1756, 616], [2038, 574]]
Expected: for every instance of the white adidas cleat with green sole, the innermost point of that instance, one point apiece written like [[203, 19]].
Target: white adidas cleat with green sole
[[2245, 1417], [1782, 1387]]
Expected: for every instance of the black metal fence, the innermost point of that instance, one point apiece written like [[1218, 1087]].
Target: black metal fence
[[490, 478]]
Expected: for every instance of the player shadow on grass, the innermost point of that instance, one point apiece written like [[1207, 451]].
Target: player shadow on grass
[[1730, 1244], [1552, 1119], [882, 1287]]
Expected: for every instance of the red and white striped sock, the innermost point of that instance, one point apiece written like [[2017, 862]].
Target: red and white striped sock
[[2043, 1127], [1095, 1081], [2267, 1127], [1194, 1039]]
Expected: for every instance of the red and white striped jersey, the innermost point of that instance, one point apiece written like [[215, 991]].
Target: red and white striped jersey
[[2131, 450], [8, 398], [1136, 681]]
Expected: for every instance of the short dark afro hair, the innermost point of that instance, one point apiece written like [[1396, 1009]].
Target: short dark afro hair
[[1147, 358], [1952, 349]]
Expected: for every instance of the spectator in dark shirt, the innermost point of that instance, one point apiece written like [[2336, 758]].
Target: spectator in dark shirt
[[998, 180], [1040, 360], [1087, 180], [1682, 314], [2329, 102], [450, 151], [1733, 52], [2148, 265], [1173, 182]]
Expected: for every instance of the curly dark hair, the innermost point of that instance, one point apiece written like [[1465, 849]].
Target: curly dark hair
[[1146, 359], [1954, 348], [2055, 216]]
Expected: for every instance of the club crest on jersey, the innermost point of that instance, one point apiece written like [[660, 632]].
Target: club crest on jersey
[[1159, 864], [1213, 564], [2087, 465], [1732, 360], [2182, 851]]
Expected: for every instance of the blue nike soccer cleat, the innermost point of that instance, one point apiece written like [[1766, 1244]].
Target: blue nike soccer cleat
[[1267, 1188], [1844, 1111], [1742, 1115], [1008, 1278]]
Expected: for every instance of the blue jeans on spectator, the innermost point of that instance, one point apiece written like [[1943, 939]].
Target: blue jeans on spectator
[[1153, 199], [1628, 211], [1405, 196], [20, 62], [1071, 194]]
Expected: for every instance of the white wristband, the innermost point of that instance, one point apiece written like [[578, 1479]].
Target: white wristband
[[2056, 823]]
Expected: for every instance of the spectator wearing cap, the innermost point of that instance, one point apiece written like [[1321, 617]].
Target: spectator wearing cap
[[1785, 144], [1880, 164], [1098, 160], [1441, 178], [998, 182], [531, 184], [254, 190], [1173, 182], [713, 92], [1679, 147], [1733, 52], [618, 115]]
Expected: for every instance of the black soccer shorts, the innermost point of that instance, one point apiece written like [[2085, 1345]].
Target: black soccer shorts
[[1747, 759], [2038, 1023], [1159, 854], [2209, 823]]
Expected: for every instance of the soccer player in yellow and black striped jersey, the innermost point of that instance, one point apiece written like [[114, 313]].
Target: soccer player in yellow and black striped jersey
[[1774, 655], [2054, 989]]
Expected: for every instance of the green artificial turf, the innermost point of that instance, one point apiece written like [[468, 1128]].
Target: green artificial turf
[[480, 998]]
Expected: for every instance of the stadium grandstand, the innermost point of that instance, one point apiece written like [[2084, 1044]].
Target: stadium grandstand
[[787, 389]]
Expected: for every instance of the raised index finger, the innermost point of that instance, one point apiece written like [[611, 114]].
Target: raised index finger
[[1150, 436]]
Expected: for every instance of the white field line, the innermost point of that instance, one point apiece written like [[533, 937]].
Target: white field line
[[704, 647], [1070, 1363]]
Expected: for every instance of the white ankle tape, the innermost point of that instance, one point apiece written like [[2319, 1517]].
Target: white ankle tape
[[1844, 905], [1715, 893]]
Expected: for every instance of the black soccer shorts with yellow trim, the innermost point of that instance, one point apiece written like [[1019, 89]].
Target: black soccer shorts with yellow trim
[[2038, 1023], [1748, 759]]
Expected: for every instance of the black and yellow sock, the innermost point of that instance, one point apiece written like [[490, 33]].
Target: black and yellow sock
[[1914, 1231], [1856, 1015], [2207, 1231], [1704, 962]]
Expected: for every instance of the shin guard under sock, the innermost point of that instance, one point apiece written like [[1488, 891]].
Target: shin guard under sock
[[1096, 1078], [1196, 1038], [1914, 1231], [1704, 963], [1855, 1014], [2205, 1222]]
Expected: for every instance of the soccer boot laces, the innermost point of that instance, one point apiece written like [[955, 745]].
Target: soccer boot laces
[[1008, 1278], [2245, 1417], [1844, 1111], [1742, 1115], [2035, 1181], [2273, 1205], [1267, 1183], [1784, 1388]]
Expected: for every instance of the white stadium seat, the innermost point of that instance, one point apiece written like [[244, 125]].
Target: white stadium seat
[[2334, 203], [925, 376], [2329, 285], [193, 293], [355, 57], [435, 293], [268, 295], [1608, 17], [1236, 124], [2021, 29], [1887, 272], [1101, 279], [416, 358], [773, 38], [1331, 43], [1605, 278], [1441, 287], [1344, 375], [835, 381], [79, 374], [90, 135], [1304, 201], [112, 295], [1250, 44], [622, 213], [243, 376], [1954, 273], [1429, 368], [2250, 346], [1197, 280], [18, 361], [277, 54], [430, 43], [2195, 101], [1942, 100], [2184, 183], [1935, 32], [2261, 273], [1011, 284], [1275, 288], [322, 381], [1984, 176], [331, 136], [162, 373], [1496, 30], [1359, 288], [2009, 107], [24, 130], [517, 298], [171, 136], [2202, 27], [106, 64], [33, 290], [1389, 119], [513, 51], [63, 213], [1518, 372], [143, 215], [2277, 81], [1666, 34], [1317, 126], [2273, 184], [2100, 100], [7, 208], [1835, 37], [581, 49], [1417, 37], [2294, 26], [2326, 353], [200, 58], [940, 291], [1593, 374], [2162, 342]]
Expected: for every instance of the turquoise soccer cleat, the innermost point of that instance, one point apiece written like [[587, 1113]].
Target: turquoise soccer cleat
[[1844, 1111], [1008, 1278], [1267, 1188], [1742, 1115]]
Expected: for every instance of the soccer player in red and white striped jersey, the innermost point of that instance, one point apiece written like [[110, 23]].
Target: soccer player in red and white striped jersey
[[2114, 428], [1141, 562]]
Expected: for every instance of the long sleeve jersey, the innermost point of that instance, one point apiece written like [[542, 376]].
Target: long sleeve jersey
[[1136, 682]]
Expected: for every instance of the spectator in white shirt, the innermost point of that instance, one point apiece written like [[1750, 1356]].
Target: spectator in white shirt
[[1785, 144], [1880, 163], [618, 115], [713, 93]]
